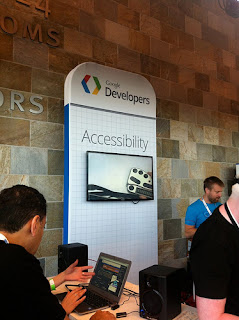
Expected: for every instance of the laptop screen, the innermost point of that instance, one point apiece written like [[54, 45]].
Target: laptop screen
[[110, 275]]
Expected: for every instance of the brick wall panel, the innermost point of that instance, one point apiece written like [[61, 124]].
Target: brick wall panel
[[55, 110], [225, 138], [209, 67], [150, 26], [207, 50], [210, 101], [169, 71], [160, 49], [48, 83], [186, 77], [176, 18], [187, 113], [92, 25], [237, 62], [106, 9], [105, 51], [234, 76], [195, 97], [161, 87], [124, 2], [77, 42], [169, 34], [86, 5], [128, 60], [16, 76], [186, 6], [178, 92], [142, 6], [6, 48], [202, 81], [229, 59], [193, 27], [167, 109], [216, 38], [139, 42], [186, 58], [128, 17], [185, 41], [117, 33], [47, 135], [227, 121], [223, 72], [60, 62], [235, 107], [30, 53], [14, 132], [159, 10], [69, 19], [5, 107], [224, 105], [150, 65], [200, 13]]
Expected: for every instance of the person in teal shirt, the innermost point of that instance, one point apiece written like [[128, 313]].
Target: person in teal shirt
[[202, 208]]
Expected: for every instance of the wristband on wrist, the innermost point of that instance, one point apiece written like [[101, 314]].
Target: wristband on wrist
[[52, 284]]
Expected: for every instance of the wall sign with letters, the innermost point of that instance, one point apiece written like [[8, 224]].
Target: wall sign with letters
[[17, 98], [42, 5], [13, 25]]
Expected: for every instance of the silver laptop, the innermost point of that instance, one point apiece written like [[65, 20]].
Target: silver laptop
[[106, 287]]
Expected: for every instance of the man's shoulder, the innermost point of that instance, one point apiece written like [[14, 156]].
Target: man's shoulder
[[218, 204], [14, 253], [195, 204]]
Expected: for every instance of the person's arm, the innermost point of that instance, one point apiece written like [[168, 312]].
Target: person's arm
[[190, 222], [189, 231], [213, 309], [74, 273]]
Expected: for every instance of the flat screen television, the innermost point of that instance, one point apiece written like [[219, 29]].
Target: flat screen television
[[114, 176]]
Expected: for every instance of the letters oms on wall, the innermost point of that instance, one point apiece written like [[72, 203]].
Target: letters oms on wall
[[112, 111], [15, 25]]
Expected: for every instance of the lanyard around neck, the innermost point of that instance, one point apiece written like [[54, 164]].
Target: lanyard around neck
[[231, 216], [206, 206]]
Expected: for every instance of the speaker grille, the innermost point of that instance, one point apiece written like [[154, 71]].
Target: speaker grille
[[159, 292], [152, 303]]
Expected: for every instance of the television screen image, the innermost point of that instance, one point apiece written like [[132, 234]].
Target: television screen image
[[113, 176]]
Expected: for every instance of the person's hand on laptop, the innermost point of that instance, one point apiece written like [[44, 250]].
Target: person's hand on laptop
[[73, 273], [77, 273], [73, 299]]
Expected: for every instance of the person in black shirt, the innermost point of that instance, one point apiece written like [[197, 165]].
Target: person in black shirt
[[25, 292], [214, 258]]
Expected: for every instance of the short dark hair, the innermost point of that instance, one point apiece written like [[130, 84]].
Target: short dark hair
[[210, 181], [18, 205]]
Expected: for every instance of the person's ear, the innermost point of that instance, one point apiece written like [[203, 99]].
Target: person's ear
[[35, 225], [207, 190]]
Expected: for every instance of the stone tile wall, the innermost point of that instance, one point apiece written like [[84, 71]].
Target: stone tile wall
[[188, 50]]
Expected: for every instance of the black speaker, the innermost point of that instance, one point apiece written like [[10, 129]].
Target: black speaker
[[68, 253], [160, 292]]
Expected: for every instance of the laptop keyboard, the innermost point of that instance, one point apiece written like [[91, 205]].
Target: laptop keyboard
[[95, 300]]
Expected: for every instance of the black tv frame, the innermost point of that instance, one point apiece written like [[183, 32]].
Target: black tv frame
[[120, 196]]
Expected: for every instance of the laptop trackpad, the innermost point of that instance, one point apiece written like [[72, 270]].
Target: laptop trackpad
[[84, 308]]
